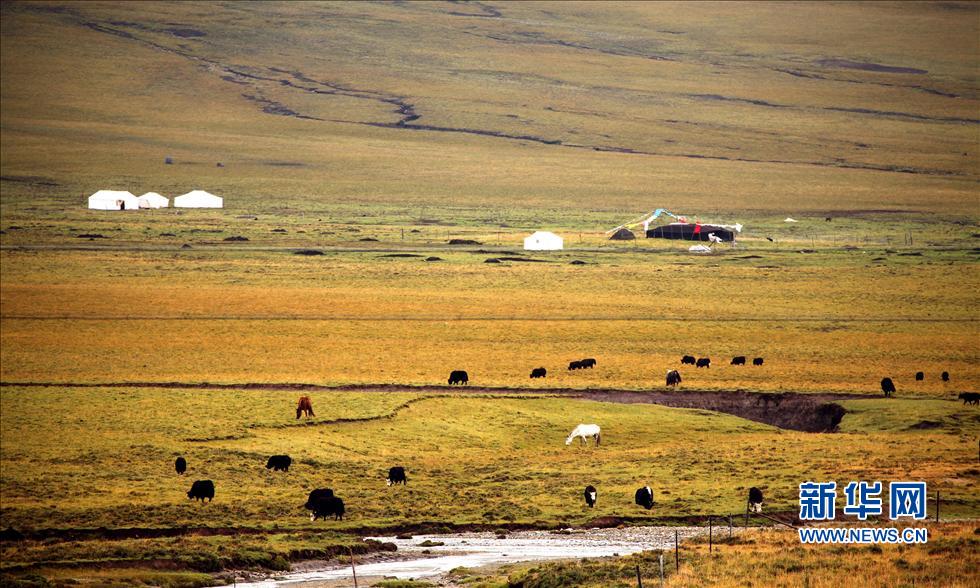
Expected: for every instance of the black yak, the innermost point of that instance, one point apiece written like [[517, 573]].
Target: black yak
[[279, 463], [688, 359], [757, 361], [396, 475], [970, 397], [317, 495], [588, 363], [755, 500], [539, 373], [887, 386], [644, 497], [740, 360], [673, 378], [945, 376], [590, 496], [180, 465], [328, 506], [574, 365], [704, 362], [200, 490], [919, 376], [458, 377], [304, 407]]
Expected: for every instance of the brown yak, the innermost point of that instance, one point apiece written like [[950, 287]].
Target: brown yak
[[304, 406]]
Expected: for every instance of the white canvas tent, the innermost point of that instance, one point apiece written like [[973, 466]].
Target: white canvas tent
[[543, 241], [113, 200], [198, 199], [153, 200]]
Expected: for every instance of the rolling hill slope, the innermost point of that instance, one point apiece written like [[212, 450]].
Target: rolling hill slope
[[700, 106]]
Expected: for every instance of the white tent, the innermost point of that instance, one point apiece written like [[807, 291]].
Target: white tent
[[198, 199], [113, 200], [543, 241], [153, 200]]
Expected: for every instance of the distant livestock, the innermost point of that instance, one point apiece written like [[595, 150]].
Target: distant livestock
[[919, 376], [644, 497], [757, 361], [740, 360], [704, 362], [317, 495], [585, 431], [688, 359], [279, 463], [945, 376], [326, 507], [588, 363], [970, 397], [673, 378], [396, 475], [574, 365], [304, 407], [200, 490], [590, 496], [458, 377], [538, 373], [755, 500], [180, 465], [887, 386]]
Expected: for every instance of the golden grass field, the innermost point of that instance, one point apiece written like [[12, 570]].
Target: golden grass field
[[415, 123]]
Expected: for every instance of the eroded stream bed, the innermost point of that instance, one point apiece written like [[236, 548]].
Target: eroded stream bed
[[429, 556]]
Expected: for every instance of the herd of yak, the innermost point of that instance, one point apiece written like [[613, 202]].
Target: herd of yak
[[322, 502]]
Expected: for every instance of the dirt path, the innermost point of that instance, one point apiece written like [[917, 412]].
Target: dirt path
[[815, 413]]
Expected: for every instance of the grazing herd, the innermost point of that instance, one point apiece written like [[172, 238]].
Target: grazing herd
[[587, 363], [673, 376], [888, 386], [323, 504], [643, 496]]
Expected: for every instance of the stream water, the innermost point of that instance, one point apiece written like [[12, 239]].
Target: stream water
[[472, 550]]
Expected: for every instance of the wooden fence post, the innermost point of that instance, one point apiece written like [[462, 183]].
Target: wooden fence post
[[677, 558], [639, 580], [661, 569], [710, 541], [352, 569]]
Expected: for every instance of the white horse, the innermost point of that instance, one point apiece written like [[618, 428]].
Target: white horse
[[584, 431]]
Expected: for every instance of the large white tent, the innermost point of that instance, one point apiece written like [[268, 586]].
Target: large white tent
[[543, 241], [113, 200], [153, 200], [198, 199]]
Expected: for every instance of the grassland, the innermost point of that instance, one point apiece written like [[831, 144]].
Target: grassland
[[828, 321], [472, 461], [773, 557], [702, 109], [415, 123]]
